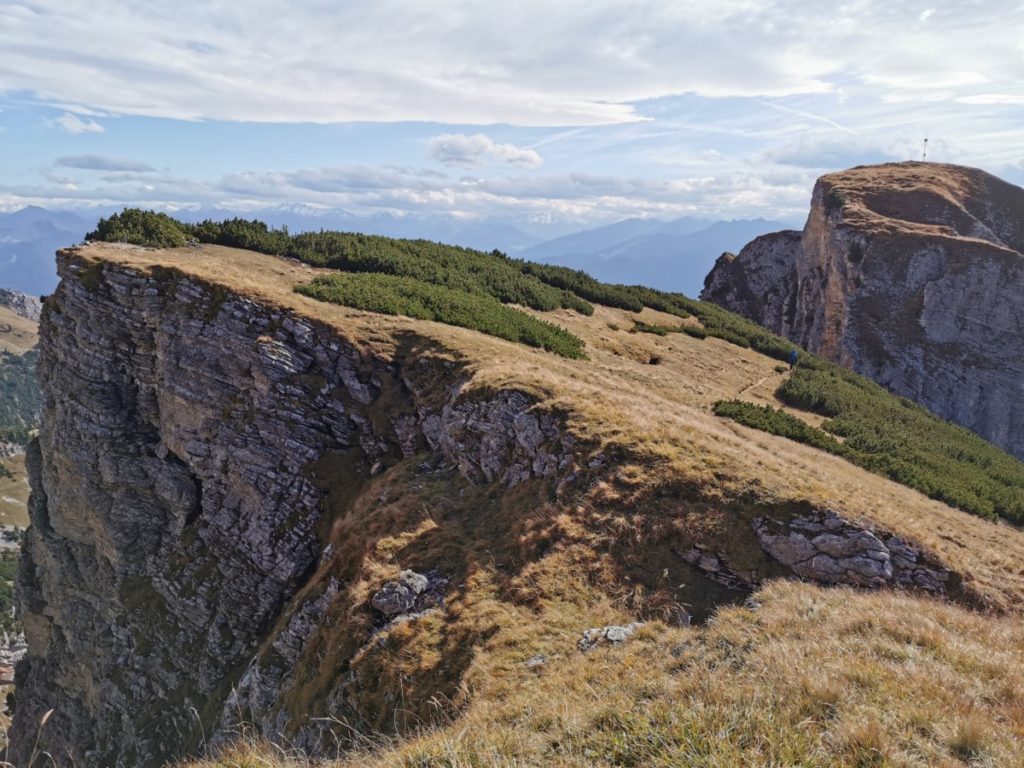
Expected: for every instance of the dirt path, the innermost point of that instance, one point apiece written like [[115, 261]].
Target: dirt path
[[756, 384]]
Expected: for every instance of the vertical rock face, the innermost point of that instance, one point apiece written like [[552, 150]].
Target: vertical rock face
[[174, 510], [911, 274]]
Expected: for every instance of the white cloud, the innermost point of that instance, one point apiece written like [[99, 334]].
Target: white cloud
[[73, 124], [458, 149], [364, 190], [461, 62], [832, 150], [102, 163]]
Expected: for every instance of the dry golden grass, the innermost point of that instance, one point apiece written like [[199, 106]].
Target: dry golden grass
[[659, 413], [17, 334], [814, 677], [932, 200], [14, 493]]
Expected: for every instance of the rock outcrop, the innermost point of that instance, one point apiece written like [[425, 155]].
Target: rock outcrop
[[22, 304], [177, 503], [610, 635], [824, 547], [911, 274]]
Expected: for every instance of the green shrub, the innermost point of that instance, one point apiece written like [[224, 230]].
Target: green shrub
[[446, 265], [724, 325], [657, 330], [696, 331], [148, 228], [584, 286], [393, 295], [893, 437], [778, 422], [8, 569]]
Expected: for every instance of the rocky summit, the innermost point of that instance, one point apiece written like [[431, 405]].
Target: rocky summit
[[911, 274]]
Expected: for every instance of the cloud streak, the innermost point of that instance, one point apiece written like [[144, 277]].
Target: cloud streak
[[468, 63], [458, 149], [102, 163], [73, 124]]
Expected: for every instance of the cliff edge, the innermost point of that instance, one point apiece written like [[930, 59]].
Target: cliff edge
[[911, 274], [259, 515]]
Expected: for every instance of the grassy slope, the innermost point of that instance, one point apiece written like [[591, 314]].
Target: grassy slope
[[19, 405], [814, 677], [17, 334], [469, 288]]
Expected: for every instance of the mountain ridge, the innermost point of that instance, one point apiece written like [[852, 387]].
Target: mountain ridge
[[230, 467], [909, 273]]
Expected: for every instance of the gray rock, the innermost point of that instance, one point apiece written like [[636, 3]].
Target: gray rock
[[177, 513], [847, 554], [22, 304], [610, 635], [402, 596], [951, 335], [393, 598]]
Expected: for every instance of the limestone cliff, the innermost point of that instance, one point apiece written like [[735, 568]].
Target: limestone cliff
[[911, 274], [256, 513], [190, 439]]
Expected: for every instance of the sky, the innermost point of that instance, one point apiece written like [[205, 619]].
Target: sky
[[584, 112]]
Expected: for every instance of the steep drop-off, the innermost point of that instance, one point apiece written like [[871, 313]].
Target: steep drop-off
[[255, 513], [911, 274], [191, 437]]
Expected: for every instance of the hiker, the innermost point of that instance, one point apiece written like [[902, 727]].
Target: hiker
[[793, 355]]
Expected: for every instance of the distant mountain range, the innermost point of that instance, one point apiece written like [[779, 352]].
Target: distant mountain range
[[28, 240], [670, 255], [673, 255]]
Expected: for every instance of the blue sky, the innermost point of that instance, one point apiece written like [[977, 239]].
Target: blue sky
[[578, 111]]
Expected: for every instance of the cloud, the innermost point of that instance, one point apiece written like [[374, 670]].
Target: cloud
[[458, 149], [73, 124], [102, 163], [834, 151], [461, 62]]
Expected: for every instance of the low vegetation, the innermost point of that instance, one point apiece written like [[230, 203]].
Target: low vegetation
[[892, 437], [778, 422], [392, 295], [542, 287], [20, 398], [148, 228], [8, 568], [657, 330]]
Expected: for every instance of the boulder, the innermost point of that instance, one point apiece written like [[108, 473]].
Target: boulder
[[610, 635]]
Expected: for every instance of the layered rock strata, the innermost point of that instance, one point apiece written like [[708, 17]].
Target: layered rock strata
[[911, 274], [176, 509]]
